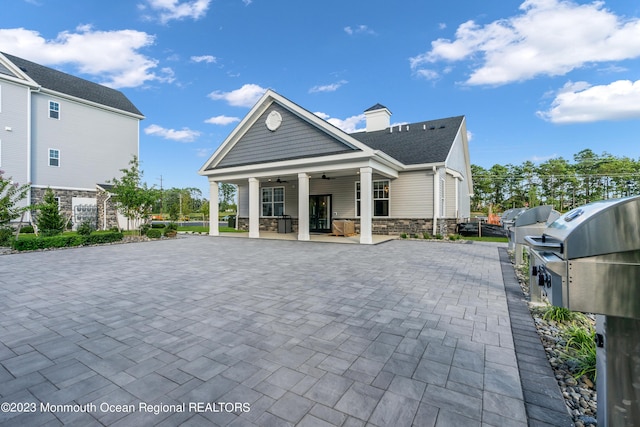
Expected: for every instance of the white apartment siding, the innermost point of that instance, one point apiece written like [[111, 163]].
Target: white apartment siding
[[94, 143], [14, 132], [450, 197], [412, 195]]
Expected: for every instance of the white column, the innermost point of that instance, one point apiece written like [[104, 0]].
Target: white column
[[436, 199], [366, 205], [213, 209], [254, 208], [303, 207]]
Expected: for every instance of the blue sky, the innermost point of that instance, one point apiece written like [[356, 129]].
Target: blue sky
[[536, 79]]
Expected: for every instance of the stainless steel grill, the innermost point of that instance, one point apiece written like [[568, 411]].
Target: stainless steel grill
[[589, 260], [528, 222], [508, 219]]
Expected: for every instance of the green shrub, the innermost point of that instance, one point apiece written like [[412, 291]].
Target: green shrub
[[154, 233], [426, 235], [157, 225], [66, 240], [172, 226], [416, 236], [403, 235], [61, 241], [455, 237], [86, 228], [581, 350], [438, 236], [144, 228], [49, 220], [6, 236], [559, 314], [99, 237], [27, 229]]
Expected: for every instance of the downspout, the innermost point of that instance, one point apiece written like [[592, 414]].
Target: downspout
[[104, 211], [30, 145], [436, 199]]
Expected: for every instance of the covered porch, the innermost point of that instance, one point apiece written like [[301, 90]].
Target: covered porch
[[324, 192]]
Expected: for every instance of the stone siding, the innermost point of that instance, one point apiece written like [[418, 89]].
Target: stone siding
[[381, 226]]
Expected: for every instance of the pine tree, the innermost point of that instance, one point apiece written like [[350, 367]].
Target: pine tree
[[50, 222]]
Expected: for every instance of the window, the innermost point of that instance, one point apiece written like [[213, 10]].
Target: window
[[54, 157], [380, 198], [54, 110], [272, 201]]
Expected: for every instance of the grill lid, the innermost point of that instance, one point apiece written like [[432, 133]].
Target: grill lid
[[597, 228], [539, 214]]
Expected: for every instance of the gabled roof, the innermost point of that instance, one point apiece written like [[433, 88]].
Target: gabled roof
[[415, 143], [67, 84]]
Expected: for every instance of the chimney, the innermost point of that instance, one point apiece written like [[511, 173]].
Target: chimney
[[378, 118]]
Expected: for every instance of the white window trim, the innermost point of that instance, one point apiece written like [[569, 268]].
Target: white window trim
[[373, 199], [49, 157], [49, 110], [273, 202]]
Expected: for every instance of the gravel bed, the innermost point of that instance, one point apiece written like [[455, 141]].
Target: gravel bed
[[579, 393]]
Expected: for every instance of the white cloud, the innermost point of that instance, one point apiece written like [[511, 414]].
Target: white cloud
[[222, 120], [580, 103], [469, 136], [168, 10], [183, 135], [204, 58], [349, 125], [328, 88], [246, 96], [428, 74], [359, 29], [112, 56], [549, 37]]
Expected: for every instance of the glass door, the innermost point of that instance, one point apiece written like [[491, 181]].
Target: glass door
[[320, 213]]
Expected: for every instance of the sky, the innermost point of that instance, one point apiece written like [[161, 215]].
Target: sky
[[536, 79]]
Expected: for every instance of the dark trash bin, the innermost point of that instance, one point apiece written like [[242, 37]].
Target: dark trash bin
[[284, 224], [231, 222]]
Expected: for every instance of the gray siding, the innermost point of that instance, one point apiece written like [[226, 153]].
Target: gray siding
[[14, 144], [450, 197], [94, 143], [295, 138]]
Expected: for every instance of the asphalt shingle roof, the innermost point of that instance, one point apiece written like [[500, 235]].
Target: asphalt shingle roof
[[70, 85], [423, 142]]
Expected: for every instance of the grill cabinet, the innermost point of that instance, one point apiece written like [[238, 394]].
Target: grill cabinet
[[589, 260]]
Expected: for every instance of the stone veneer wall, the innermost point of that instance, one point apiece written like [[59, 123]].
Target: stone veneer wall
[[111, 214], [382, 226], [64, 198]]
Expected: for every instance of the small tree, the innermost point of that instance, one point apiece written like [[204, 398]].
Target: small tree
[[11, 194], [49, 220], [133, 198]]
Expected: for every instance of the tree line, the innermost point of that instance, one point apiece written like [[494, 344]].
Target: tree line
[[557, 182]]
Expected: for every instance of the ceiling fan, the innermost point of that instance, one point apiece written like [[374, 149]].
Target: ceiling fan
[[325, 177], [279, 181]]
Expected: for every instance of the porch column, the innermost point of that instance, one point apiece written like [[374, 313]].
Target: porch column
[[436, 200], [254, 208], [303, 207], [366, 205], [213, 209]]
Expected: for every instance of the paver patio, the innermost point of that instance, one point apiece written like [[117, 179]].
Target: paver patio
[[290, 333]]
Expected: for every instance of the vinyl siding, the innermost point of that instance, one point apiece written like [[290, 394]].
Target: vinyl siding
[[412, 195], [450, 197], [295, 138], [94, 143], [15, 143]]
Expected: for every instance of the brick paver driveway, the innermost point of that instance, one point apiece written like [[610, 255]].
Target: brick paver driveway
[[223, 331]]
